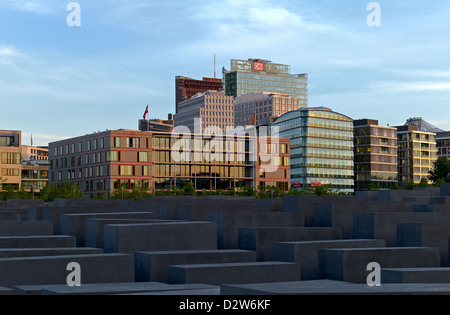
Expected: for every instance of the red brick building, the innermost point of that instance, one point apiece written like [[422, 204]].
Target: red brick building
[[108, 160]]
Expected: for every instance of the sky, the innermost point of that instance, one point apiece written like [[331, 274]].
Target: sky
[[59, 81]]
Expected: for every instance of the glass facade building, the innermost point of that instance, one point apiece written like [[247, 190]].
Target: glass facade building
[[256, 75], [321, 147]]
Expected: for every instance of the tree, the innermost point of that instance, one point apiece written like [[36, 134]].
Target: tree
[[65, 190], [440, 171]]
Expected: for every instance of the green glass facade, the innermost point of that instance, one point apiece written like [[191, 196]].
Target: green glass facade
[[321, 147], [244, 79]]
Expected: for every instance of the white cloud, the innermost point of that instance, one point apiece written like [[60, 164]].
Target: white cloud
[[41, 7], [396, 87]]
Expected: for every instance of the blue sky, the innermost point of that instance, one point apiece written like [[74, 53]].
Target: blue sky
[[58, 81]]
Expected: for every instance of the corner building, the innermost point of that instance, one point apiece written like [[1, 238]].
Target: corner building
[[375, 154], [113, 159], [321, 147], [417, 152]]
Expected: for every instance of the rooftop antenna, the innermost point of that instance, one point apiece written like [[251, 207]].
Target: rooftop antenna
[[214, 66]]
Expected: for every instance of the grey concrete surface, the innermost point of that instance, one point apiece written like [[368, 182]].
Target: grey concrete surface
[[95, 268], [229, 273], [261, 239], [328, 287], [425, 234], [31, 252], [152, 266], [37, 241], [307, 253], [75, 224], [350, 264], [95, 229], [415, 275], [130, 238]]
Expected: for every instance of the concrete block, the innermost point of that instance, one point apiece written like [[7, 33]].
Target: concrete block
[[139, 288], [7, 291], [130, 238], [307, 253], [230, 220], [152, 266], [350, 264], [54, 213], [232, 273], [340, 215], [261, 239], [37, 241], [31, 252], [75, 224], [305, 204], [444, 189], [24, 202], [383, 225], [95, 268], [25, 228], [328, 287], [425, 234], [14, 214], [36, 213], [94, 236], [68, 202], [215, 290], [415, 275], [423, 208]]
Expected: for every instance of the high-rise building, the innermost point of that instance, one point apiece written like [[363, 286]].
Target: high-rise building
[[262, 105], [185, 88], [256, 75], [211, 111], [321, 147], [375, 154], [416, 153], [443, 144], [113, 159]]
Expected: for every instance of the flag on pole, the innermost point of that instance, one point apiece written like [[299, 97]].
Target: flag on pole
[[254, 119], [146, 112], [31, 139]]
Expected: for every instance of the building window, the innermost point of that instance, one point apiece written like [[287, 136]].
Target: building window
[[143, 157], [126, 170], [11, 158], [145, 171], [112, 156], [10, 172], [117, 142]]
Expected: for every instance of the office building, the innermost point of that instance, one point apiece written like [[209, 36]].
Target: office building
[[321, 147], [262, 105], [256, 75], [209, 111], [109, 160], [443, 144], [11, 158], [22, 166], [157, 125], [375, 149], [416, 154], [185, 88]]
